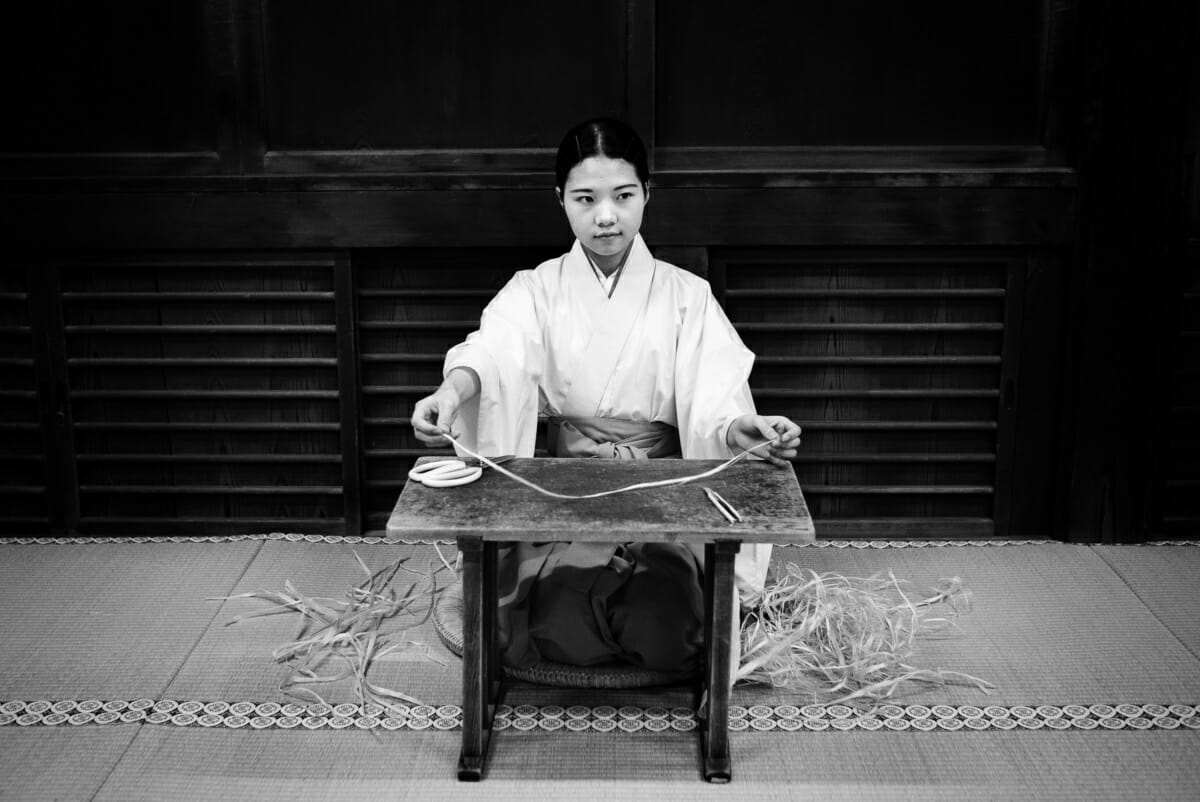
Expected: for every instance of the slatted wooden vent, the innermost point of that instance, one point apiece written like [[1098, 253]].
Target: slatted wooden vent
[[413, 306], [205, 394], [894, 367], [22, 466], [222, 393], [1180, 508]]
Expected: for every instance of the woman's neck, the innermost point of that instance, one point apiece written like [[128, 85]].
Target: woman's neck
[[608, 264]]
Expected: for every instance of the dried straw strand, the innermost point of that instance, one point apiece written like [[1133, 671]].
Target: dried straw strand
[[844, 639], [349, 632]]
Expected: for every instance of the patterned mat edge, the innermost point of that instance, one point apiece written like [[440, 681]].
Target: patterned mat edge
[[582, 718], [370, 540]]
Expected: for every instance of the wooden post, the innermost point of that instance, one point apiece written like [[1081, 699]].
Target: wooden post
[[350, 408], [1006, 413], [54, 396]]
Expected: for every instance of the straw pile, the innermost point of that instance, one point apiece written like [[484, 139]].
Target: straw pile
[[845, 640], [341, 639], [832, 638]]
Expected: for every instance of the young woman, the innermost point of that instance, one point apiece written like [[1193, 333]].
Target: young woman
[[627, 357]]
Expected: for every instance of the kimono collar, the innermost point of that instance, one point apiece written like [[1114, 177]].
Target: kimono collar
[[634, 282], [606, 324]]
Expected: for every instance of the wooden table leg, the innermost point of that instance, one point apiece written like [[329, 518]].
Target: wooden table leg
[[481, 670], [491, 602], [718, 626]]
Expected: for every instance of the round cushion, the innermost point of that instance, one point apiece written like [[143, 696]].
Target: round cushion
[[448, 621]]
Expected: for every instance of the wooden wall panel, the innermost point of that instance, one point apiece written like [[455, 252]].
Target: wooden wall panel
[[23, 484], [1177, 491], [1136, 145], [105, 77], [853, 73], [1036, 493], [1178, 508], [383, 75]]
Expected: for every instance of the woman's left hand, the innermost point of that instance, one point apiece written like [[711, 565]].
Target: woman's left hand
[[748, 431]]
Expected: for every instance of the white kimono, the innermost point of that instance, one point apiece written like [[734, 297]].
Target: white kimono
[[660, 349]]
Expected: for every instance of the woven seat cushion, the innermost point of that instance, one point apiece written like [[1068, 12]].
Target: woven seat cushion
[[448, 620]]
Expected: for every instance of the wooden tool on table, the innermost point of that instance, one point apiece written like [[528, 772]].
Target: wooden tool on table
[[724, 507]]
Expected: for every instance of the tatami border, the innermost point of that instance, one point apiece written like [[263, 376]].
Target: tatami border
[[581, 718]]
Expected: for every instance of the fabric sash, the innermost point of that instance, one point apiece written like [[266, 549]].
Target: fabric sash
[[611, 438]]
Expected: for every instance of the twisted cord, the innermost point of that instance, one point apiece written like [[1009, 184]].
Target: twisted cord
[[640, 486]]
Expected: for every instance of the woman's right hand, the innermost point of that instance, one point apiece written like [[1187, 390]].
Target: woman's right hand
[[433, 415]]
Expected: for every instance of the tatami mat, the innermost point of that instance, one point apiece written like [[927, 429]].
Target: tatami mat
[[1052, 625], [193, 763], [107, 621], [59, 764]]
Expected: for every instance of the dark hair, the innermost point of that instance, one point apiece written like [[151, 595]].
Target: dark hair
[[602, 136]]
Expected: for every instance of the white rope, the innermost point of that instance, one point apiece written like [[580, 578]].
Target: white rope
[[641, 486]]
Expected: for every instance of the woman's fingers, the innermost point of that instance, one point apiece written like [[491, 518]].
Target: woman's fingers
[[425, 421], [424, 416], [765, 430], [785, 428], [785, 450], [788, 436], [434, 439], [784, 436], [430, 439]]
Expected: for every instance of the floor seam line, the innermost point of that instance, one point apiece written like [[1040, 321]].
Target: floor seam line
[[1116, 572], [171, 679]]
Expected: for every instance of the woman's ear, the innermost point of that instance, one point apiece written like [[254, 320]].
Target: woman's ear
[[646, 191], [558, 194]]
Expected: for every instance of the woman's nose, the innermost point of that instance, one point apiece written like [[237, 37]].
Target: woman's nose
[[605, 215]]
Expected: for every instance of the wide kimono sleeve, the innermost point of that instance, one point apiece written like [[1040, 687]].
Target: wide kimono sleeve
[[508, 354], [712, 373]]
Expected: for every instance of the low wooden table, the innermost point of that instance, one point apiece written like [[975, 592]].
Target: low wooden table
[[496, 510]]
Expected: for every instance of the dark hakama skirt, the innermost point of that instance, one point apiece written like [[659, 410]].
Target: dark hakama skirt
[[589, 603]]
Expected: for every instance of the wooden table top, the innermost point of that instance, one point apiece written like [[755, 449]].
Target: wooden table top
[[497, 508]]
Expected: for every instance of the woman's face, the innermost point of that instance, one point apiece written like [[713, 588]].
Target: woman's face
[[604, 200]]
